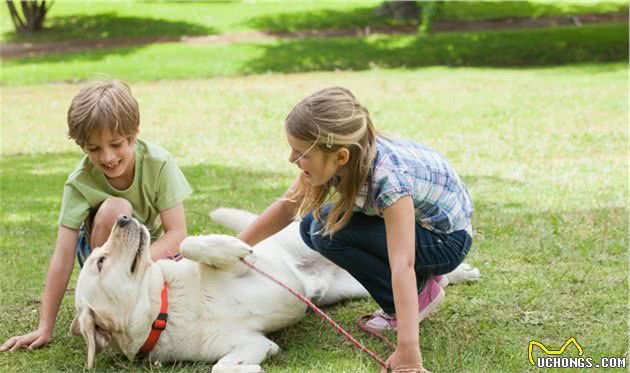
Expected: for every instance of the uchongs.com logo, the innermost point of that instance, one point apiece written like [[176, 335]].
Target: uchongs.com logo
[[555, 359]]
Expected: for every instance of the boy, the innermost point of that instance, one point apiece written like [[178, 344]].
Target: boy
[[119, 175]]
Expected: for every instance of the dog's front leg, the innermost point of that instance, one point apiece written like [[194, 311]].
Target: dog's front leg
[[215, 250], [246, 357]]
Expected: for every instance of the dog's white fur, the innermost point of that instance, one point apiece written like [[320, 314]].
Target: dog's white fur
[[219, 309]]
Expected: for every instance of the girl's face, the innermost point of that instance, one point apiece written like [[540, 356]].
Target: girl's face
[[113, 154], [317, 166]]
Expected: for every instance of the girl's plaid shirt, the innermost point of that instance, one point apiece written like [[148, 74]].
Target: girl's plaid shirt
[[405, 168]]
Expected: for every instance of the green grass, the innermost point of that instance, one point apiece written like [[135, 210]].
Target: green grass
[[519, 48], [111, 20], [543, 151]]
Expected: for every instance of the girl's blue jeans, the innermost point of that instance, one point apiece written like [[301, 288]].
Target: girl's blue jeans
[[361, 249]]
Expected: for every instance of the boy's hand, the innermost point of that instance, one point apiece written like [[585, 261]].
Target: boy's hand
[[29, 341]]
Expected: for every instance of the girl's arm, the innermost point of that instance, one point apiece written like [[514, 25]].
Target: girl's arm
[[174, 223], [400, 228], [59, 270], [275, 217]]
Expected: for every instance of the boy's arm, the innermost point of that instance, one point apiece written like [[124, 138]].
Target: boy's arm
[[275, 217], [174, 223], [59, 271]]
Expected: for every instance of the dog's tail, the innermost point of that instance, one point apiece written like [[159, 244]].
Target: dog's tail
[[232, 218]]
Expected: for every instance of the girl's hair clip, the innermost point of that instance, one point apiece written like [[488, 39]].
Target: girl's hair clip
[[329, 140]]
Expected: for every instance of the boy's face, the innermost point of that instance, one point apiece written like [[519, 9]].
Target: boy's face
[[113, 154]]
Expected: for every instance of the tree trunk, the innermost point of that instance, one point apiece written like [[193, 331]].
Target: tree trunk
[[427, 15], [31, 16], [399, 9]]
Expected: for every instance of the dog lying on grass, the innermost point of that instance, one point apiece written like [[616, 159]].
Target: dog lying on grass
[[219, 310]]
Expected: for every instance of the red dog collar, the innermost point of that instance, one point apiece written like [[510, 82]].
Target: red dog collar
[[158, 325]]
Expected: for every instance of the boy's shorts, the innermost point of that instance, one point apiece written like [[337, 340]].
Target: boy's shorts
[[85, 233], [83, 246]]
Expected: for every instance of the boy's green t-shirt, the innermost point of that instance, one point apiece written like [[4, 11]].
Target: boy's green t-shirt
[[158, 185]]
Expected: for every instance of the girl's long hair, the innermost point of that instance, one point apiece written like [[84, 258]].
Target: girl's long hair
[[333, 118]]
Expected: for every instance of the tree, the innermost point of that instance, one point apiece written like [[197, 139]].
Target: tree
[[398, 9], [423, 11], [427, 15], [31, 17]]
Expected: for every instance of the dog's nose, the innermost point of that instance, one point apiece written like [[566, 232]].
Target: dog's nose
[[123, 220]]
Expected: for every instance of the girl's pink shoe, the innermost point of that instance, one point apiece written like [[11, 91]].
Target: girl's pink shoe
[[381, 321], [430, 297], [428, 300]]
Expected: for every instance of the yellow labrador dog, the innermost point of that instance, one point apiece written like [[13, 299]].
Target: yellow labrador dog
[[219, 310]]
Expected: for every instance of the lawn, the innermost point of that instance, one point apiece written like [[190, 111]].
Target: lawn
[[135, 19], [514, 48], [542, 149]]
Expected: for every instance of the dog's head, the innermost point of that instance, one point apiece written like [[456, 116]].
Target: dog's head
[[108, 285]]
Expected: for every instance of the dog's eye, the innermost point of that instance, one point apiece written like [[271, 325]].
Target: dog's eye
[[99, 263]]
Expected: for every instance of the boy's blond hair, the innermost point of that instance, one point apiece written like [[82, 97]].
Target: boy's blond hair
[[103, 104], [333, 118]]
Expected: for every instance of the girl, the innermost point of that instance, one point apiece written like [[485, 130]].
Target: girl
[[399, 220]]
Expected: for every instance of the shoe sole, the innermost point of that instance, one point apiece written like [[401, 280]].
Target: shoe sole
[[363, 323]]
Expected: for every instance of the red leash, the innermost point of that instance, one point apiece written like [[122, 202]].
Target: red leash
[[321, 313]]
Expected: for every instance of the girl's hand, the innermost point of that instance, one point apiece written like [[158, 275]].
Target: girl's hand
[[405, 360]]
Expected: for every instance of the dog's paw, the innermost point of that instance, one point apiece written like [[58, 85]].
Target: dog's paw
[[237, 369], [234, 219], [215, 249]]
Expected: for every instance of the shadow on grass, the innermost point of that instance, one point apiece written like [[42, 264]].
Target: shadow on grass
[[108, 26], [460, 10], [318, 20], [537, 47], [449, 11]]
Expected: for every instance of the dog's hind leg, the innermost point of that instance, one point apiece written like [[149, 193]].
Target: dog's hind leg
[[246, 357], [343, 286], [232, 218], [215, 250]]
